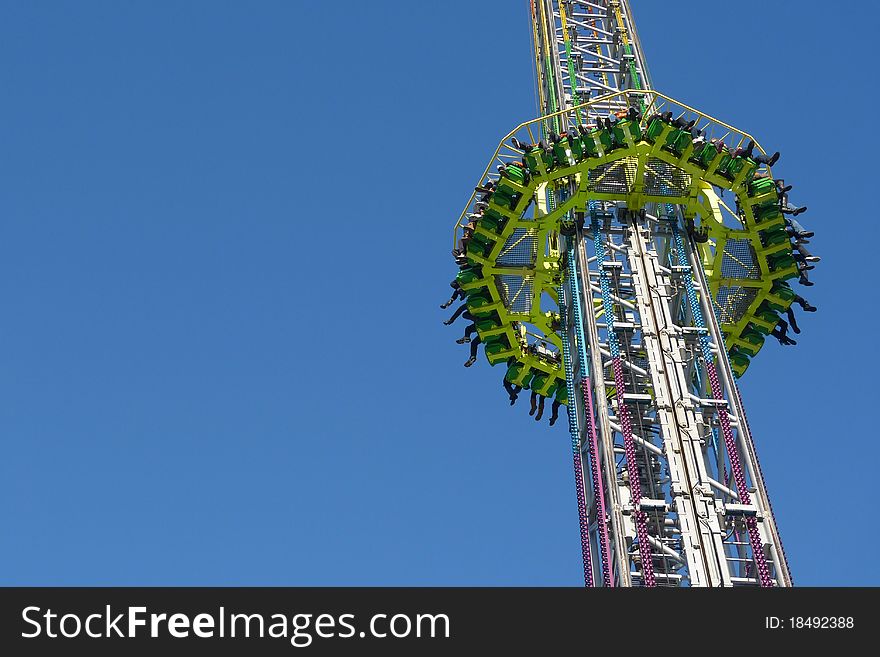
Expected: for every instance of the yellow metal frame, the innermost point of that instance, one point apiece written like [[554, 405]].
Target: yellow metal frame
[[699, 199]]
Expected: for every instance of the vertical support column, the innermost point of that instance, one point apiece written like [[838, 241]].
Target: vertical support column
[[697, 307], [569, 326], [653, 391], [620, 529], [764, 533], [581, 406], [677, 416]]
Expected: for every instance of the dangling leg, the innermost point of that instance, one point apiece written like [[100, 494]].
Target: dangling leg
[[803, 303], [512, 391], [554, 414], [792, 210], [805, 253], [769, 160], [791, 319], [456, 293], [458, 311], [473, 358], [540, 408], [468, 332], [780, 334], [534, 402]]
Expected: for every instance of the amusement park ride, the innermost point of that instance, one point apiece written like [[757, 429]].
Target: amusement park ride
[[603, 267]]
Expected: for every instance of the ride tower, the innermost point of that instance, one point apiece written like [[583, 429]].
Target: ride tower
[[603, 266]]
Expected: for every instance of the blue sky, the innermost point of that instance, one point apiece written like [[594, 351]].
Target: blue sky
[[225, 235]]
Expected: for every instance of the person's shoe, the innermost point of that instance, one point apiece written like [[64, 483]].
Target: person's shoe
[[464, 340], [813, 258], [809, 233], [773, 159], [470, 361], [538, 416], [795, 328], [799, 240], [532, 410], [786, 189], [512, 400], [444, 306], [554, 137], [799, 210], [806, 283], [517, 144], [446, 323], [553, 420], [809, 309]]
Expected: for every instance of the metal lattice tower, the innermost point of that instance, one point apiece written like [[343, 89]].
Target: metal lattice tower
[[643, 315], [674, 427]]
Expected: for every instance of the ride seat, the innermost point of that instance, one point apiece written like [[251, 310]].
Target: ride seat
[[655, 128]]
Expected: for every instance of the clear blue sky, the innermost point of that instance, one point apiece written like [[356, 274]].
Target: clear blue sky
[[225, 235]]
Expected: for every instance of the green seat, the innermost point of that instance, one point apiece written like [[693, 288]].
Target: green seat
[[705, 155], [480, 245], [654, 129], [477, 249], [515, 371], [738, 163], [538, 156], [504, 197], [561, 391], [753, 338], [627, 128], [738, 357], [589, 146], [495, 345], [761, 186], [774, 236], [677, 141], [539, 379], [493, 221], [768, 315], [476, 302], [724, 164], [602, 136], [560, 154], [739, 361], [780, 260], [468, 275], [543, 383], [487, 324], [516, 172], [576, 146], [477, 290], [766, 212], [782, 290], [505, 190]]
